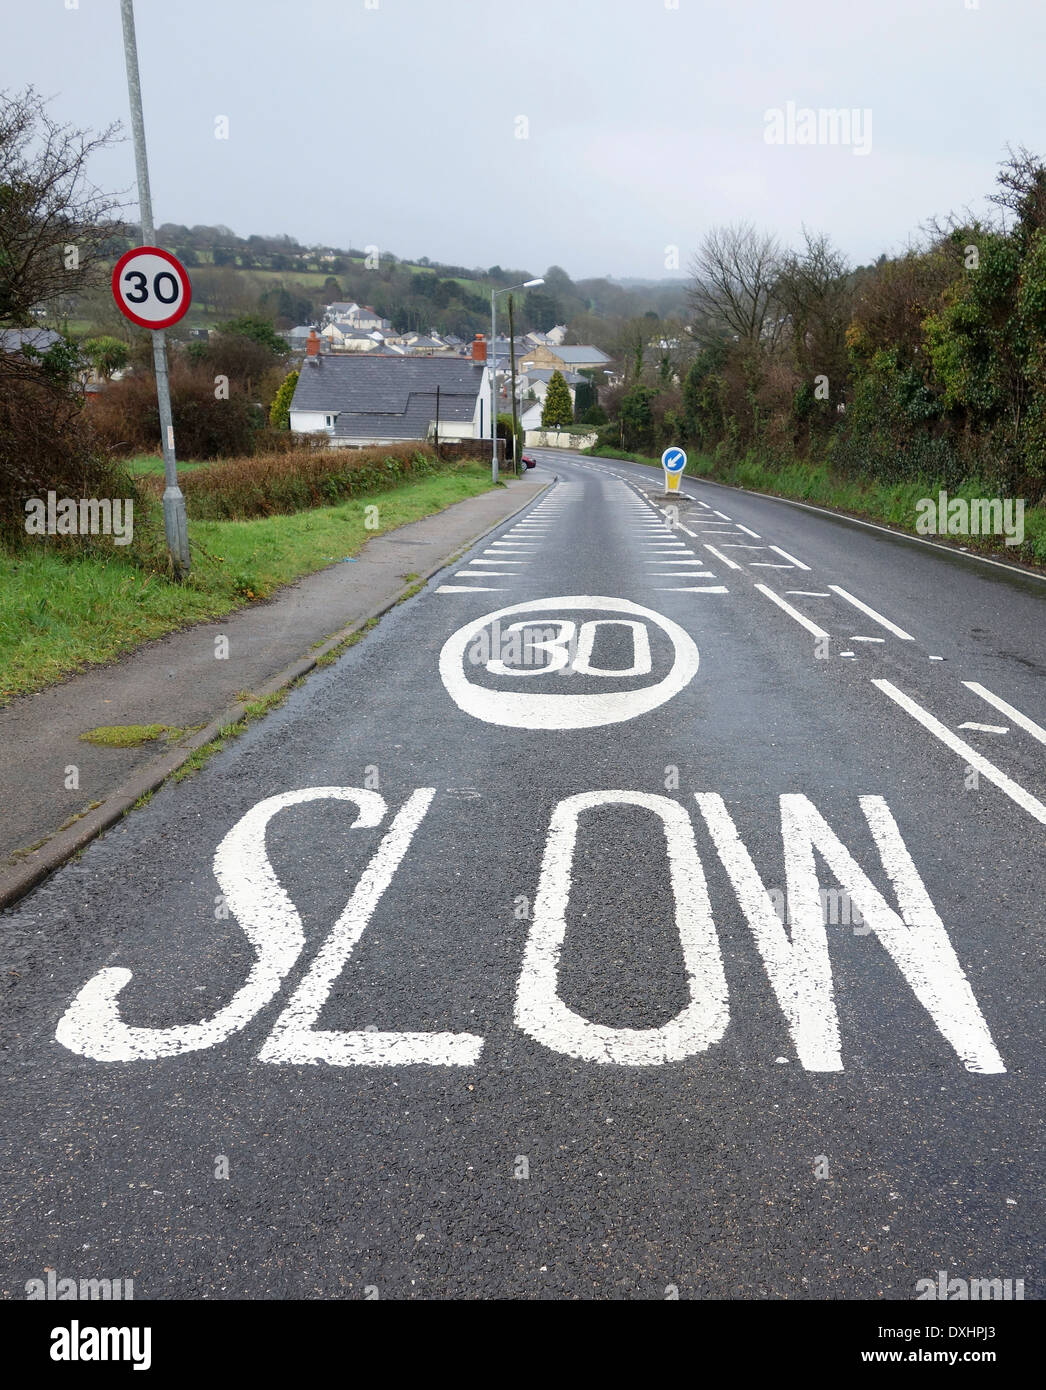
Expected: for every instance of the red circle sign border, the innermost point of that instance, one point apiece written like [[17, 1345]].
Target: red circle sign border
[[179, 270]]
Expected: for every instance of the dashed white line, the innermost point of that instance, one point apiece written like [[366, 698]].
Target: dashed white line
[[784, 553], [1028, 725], [985, 728], [871, 613], [800, 618], [719, 556], [976, 760]]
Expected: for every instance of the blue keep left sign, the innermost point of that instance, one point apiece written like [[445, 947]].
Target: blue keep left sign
[[673, 460]]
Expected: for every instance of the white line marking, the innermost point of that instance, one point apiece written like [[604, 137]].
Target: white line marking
[[768, 565], [792, 612], [722, 514], [747, 532], [697, 589], [725, 558], [871, 613], [784, 553], [976, 760], [668, 561], [683, 574], [855, 638], [540, 1010], [1028, 725], [985, 728], [467, 589], [797, 959], [817, 593]]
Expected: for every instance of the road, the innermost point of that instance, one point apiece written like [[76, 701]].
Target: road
[[685, 940]]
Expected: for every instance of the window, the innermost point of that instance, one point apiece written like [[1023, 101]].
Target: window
[[330, 421]]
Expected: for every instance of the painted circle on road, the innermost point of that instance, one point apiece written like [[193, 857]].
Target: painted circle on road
[[524, 710]]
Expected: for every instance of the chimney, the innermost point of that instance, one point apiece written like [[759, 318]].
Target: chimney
[[479, 349], [312, 345]]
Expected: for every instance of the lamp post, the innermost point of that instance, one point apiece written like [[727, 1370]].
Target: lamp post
[[526, 285]]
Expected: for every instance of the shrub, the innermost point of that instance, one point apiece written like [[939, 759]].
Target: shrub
[[126, 418], [292, 481]]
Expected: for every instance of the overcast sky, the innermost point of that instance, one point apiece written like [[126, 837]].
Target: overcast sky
[[396, 122]]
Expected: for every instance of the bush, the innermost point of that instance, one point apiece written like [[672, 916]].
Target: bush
[[292, 481], [126, 418], [43, 448]]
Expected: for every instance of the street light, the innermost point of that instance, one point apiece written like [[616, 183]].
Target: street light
[[526, 285]]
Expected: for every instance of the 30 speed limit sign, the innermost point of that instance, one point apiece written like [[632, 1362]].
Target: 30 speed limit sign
[[150, 287]]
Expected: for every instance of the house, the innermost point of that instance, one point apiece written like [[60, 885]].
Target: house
[[576, 359], [39, 339], [339, 309], [377, 398], [345, 337]]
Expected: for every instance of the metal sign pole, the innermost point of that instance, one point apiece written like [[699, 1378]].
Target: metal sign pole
[[174, 518]]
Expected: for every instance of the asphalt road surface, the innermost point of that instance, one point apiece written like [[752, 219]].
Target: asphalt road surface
[[651, 906]]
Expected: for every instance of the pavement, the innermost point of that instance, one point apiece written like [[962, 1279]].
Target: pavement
[[49, 777], [684, 940]]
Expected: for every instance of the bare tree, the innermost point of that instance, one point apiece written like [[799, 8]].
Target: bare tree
[[735, 272], [54, 224], [815, 292]]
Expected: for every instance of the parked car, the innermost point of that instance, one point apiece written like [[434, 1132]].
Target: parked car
[[529, 461]]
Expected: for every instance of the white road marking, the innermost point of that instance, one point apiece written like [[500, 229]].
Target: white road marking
[[768, 565], [871, 613], [855, 638], [784, 553], [1021, 720], [526, 710], [696, 589], [542, 1014], [467, 589], [1013, 790], [792, 612], [667, 561], [683, 574], [295, 1039], [817, 593], [985, 728], [798, 964], [719, 556], [722, 514], [92, 1026], [747, 532]]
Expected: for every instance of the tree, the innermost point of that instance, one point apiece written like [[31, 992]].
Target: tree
[[258, 330], [558, 408], [734, 274], [280, 410], [53, 223], [106, 355]]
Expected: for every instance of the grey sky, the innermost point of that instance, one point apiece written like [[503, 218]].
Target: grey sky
[[397, 125]]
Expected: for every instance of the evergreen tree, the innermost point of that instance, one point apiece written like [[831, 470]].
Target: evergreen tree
[[558, 408], [280, 410]]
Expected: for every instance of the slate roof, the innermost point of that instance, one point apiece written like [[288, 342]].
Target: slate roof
[[580, 354], [546, 373], [11, 339], [380, 397]]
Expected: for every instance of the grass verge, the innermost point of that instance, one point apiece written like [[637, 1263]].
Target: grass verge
[[60, 613], [893, 504]]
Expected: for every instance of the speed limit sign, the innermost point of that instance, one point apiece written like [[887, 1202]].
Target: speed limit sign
[[150, 287]]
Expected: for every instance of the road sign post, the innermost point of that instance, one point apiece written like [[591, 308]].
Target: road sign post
[[673, 461], [153, 310]]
